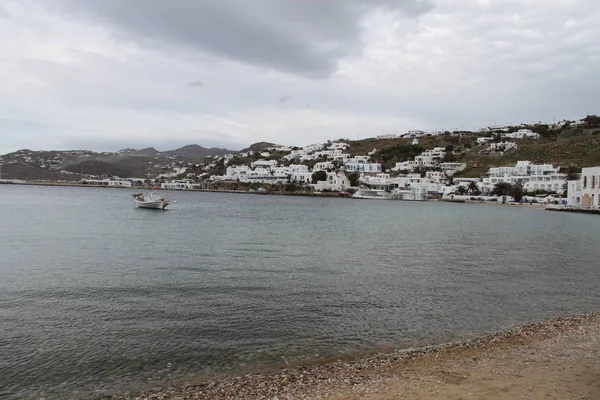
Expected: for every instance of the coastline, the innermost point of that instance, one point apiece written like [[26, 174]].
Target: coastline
[[302, 194], [555, 359]]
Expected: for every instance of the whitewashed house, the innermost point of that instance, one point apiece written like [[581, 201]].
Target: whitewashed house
[[521, 134], [363, 167], [322, 166], [183, 184], [358, 160], [336, 181], [108, 182], [585, 191], [341, 146], [405, 166], [483, 140], [264, 164], [450, 168], [502, 146], [532, 176]]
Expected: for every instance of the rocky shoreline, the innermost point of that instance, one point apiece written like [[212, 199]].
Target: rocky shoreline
[[368, 377]]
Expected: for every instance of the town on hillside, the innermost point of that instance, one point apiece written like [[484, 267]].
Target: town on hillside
[[532, 163]]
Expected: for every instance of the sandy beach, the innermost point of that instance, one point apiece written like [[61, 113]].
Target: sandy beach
[[558, 359]]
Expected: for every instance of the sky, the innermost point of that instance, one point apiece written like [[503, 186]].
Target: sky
[[109, 74]]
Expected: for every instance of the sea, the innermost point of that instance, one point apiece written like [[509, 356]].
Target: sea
[[98, 297]]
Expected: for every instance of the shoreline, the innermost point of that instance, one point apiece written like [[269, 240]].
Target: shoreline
[[542, 359], [303, 194]]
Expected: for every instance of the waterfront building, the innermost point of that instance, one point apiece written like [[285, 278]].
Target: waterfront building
[[108, 182], [183, 184], [586, 190], [336, 181], [532, 176]]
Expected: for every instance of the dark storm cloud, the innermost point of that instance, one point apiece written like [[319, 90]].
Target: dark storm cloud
[[304, 37]]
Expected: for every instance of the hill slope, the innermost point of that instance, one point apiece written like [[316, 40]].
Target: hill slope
[[197, 153]]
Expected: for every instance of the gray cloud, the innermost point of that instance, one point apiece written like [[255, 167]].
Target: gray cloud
[[96, 73], [304, 37], [4, 13]]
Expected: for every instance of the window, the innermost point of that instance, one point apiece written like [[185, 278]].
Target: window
[[585, 182]]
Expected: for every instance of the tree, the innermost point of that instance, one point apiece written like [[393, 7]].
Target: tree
[[592, 121], [542, 129], [450, 148], [517, 191], [449, 157], [353, 178], [461, 190], [319, 176], [502, 189], [472, 188]]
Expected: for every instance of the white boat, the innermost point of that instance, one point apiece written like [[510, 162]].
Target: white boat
[[148, 200]]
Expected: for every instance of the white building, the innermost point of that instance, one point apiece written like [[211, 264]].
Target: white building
[[264, 164], [335, 182], [430, 158], [301, 177], [585, 191], [450, 168], [298, 168], [322, 166], [313, 147], [532, 176], [358, 160], [184, 184], [483, 140], [521, 134], [405, 166], [502, 146], [338, 146], [108, 182], [363, 167]]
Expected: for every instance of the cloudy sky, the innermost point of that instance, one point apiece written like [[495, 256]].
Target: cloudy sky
[[108, 74]]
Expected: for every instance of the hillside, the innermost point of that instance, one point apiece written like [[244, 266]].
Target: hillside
[[258, 147], [567, 149], [73, 164], [577, 152], [197, 153]]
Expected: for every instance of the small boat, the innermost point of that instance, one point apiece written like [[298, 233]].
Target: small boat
[[149, 201]]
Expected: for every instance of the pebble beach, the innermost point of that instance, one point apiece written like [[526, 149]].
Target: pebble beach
[[557, 359]]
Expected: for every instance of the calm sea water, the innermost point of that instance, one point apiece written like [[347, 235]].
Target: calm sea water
[[97, 296]]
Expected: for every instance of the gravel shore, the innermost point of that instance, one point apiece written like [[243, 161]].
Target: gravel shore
[[558, 359]]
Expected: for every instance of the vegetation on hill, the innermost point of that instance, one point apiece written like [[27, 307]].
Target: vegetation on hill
[[258, 147], [197, 153]]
